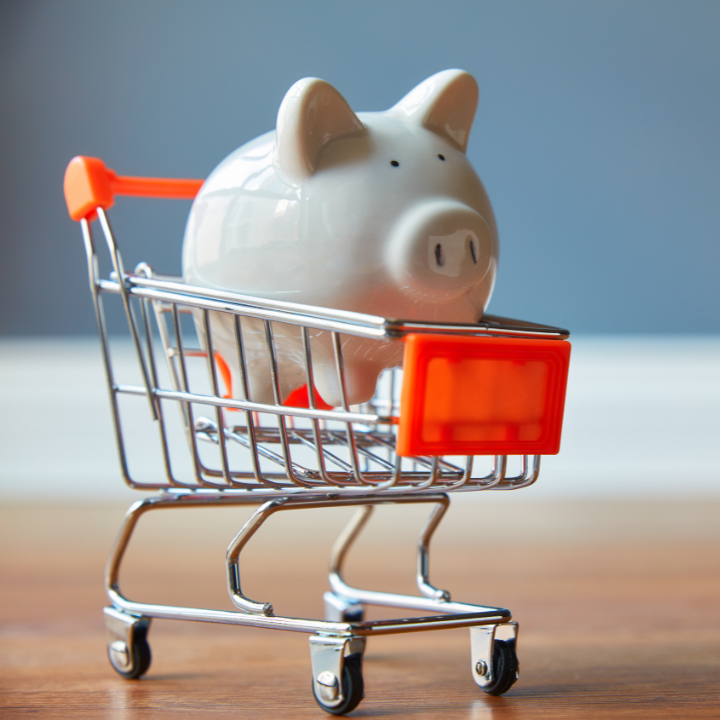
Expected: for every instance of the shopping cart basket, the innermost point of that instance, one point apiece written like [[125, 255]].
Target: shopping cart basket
[[468, 395]]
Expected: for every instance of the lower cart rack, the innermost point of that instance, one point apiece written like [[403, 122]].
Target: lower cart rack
[[337, 644]]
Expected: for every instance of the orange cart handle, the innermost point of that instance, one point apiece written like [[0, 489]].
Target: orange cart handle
[[90, 185]]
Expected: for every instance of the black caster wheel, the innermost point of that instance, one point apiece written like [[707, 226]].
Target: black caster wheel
[[338, 609], [131, 662], [354, 614], [353, 689], [505, 667]]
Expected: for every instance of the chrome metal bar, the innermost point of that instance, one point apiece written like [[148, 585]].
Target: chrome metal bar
[[326, 455], [339, 552], [450, 614], [361, 438], [372, 457], [170, 353], [432, 477], [488, 481], [93, 275], [335, 415], [277, 396], [245, 390], [312, 402], [434, 599], [255, 302], [162, 427], [312, 315], [350, 434], [120, 271], [423, 556], [269, 455], [521, 329], [468, 616], [233, 558], [346, 540], [205, 303], [212, 374], [199, 469], [182, 384], [530, 473]]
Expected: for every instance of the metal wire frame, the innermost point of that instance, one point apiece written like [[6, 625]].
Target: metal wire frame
[[443, 612], [352, 449]]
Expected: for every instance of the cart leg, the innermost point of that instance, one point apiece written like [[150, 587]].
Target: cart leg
[[233, 558], [423, 557], [128, 649], [340, 604], [337, 672], [493, 658], [345, 608]]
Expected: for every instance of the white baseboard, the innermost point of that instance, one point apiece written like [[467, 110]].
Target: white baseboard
[[642, 421]]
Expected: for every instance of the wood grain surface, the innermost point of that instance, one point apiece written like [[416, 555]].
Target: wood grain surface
[[618, 605]]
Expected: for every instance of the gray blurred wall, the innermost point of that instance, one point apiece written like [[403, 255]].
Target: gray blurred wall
[[597, 135]]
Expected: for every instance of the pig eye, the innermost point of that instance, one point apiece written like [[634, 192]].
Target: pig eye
[[441, 156], [439, 259], [394, 163]]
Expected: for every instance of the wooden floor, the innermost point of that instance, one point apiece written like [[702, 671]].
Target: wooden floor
[[618, 604]]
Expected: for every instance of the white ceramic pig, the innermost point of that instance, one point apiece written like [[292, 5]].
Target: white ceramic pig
[[378, 213]]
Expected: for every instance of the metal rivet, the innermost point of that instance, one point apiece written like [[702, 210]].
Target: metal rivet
[[120, 653], [327, 685], [481, 668]]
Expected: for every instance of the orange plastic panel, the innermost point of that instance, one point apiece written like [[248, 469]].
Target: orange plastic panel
[[89, 184], [482, 396], [300, 397]]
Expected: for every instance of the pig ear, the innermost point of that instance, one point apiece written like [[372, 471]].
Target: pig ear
[[312, 114], [445, 104]]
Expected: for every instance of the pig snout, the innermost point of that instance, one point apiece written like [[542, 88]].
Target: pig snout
[[440, 246]]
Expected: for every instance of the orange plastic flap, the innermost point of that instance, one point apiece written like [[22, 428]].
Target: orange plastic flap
[[482, 396]]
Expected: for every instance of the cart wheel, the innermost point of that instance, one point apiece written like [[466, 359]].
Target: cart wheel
[[354, 614], [352, 688], [505, 667], [132, 662]]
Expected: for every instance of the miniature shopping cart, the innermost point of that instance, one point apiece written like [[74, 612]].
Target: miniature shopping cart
[[468, 396]]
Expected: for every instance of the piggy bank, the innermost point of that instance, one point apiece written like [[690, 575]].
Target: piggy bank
[[378, 213]]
